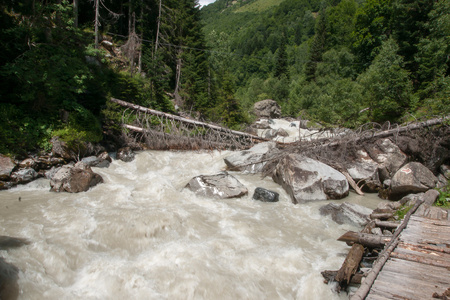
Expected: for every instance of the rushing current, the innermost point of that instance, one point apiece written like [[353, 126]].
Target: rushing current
[[141, 235]]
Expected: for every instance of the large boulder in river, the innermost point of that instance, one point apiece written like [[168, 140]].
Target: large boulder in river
[[389, 157], [412, 178], [306, 179], [222, 185], [74, 179], [6, 167], [250, 160], [23, 176], [267, 109], [347, 213]]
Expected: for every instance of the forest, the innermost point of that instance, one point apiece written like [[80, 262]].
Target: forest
[[340, 63]]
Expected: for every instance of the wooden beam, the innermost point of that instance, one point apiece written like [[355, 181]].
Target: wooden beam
[[185, 120], [365, 239]]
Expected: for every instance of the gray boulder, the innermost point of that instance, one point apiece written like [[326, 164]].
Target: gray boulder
[[267, 109], [306, 179], [264, 195], [412, 178], [28, 163], [125, 154], [363, 167], [74, 179], [6, 167], [389, 157], [101, 161], [347, 213], [23, 176], [250, 160], [222, 185]]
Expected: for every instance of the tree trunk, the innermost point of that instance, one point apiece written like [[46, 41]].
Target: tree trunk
[[157, 27], [350, 265], [365, 239], [75, 13], [97, 23]]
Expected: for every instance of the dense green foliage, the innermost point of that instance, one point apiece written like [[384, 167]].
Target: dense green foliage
[[348, 62], [55, 77], [341, 62]]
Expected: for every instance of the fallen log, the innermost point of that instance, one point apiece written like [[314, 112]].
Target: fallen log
[[386, 224], [366, 239], [350, 265], [185, 120], [381, 215], [330, 276]]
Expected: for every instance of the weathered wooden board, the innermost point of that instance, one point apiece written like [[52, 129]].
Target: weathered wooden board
[[420, 264]]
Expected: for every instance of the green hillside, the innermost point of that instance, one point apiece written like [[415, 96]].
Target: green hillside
[[338, 62]]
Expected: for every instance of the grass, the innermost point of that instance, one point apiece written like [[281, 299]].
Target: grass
[[258, 6]]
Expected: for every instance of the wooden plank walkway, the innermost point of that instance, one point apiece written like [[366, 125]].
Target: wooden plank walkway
[[419, 266]]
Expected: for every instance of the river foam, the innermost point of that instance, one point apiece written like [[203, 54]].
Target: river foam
[[140, 235]]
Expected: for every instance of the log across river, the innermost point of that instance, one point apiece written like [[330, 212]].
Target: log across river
[[140, 235]]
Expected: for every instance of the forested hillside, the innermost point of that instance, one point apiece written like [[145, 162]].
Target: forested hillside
[[339, 62], [60, 62]]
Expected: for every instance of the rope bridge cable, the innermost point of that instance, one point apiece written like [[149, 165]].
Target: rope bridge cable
[[159, 130]]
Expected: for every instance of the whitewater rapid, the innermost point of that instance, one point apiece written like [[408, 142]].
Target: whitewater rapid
[[141, 235]]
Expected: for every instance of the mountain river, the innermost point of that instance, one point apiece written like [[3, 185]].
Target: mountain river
[[140, 235]]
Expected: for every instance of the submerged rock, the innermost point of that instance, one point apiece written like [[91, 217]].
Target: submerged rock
[[306, 179], [125, 154], [101, 161], [347, 213], [264, 195], [74, 179], [222, 185]]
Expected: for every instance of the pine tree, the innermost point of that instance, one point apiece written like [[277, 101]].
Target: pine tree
[[317, 46]]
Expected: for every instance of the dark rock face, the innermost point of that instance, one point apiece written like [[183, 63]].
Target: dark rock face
[[6, 167], [306, 179], [267, 109], [412, 178], [72, 152], [74, 179], [264, 195], [125, 154], [9, 275], [347, 213], [222, 185]]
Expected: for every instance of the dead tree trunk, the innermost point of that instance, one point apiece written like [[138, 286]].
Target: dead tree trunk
[[365, 239], [350, 265]]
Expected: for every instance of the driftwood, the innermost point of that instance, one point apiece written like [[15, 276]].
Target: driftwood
[[386, 224], [381, 215], [330, 276], [350, 265], [364, 289], [366, 239]]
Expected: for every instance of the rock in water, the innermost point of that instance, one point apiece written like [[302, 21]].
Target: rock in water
[[306, 179], [222, 185], [125, 154], [264, 195], [347, 213], [413, 178], [74, 179]]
